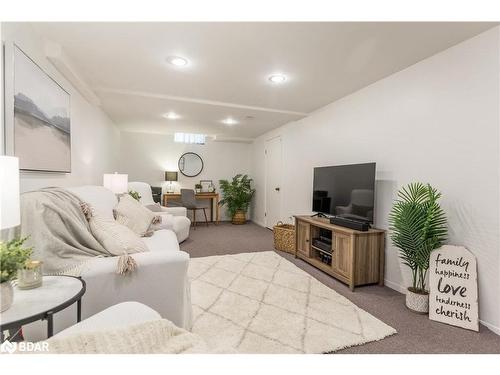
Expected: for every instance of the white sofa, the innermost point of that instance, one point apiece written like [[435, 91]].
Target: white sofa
[[180, 223], [160, 281]]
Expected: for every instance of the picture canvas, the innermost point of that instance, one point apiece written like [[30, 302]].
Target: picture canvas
[[42, 126]]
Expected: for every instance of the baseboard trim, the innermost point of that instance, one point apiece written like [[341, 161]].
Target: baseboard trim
[[493, 328], [397, 287], [259, 223], [401, 289]]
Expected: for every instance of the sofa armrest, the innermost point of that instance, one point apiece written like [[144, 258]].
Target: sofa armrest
[[175, 211], [118, 316], [160, 282]]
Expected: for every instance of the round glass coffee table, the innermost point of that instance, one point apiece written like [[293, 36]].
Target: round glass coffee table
[[55, 294]]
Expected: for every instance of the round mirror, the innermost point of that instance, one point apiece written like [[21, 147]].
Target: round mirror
[[190, 164]]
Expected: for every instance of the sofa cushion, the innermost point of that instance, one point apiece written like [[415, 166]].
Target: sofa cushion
[[115, 237], [134, 215], [100, 198], [162, 240]]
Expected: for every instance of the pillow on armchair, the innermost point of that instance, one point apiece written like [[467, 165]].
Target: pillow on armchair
[[134, 215]]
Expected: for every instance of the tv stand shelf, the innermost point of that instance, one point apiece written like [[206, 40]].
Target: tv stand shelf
[[357, 257]]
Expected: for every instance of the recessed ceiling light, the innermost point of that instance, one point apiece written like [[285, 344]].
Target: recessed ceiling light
[[177, 61], [171, 116], [277, 78], [229, 121]]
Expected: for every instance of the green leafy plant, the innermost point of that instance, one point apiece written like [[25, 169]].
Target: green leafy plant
[[237, 193], [418, 226], [13, 255], [134, 194]]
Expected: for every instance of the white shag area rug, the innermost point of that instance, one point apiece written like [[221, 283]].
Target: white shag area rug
[[262, 303]]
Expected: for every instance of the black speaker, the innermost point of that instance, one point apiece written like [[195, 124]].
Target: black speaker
[[349, 223]]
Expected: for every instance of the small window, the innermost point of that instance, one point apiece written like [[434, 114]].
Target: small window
[[198, 139]]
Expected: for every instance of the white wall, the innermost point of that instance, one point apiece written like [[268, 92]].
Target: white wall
[[146, 157], [94, 137], [436, 121]]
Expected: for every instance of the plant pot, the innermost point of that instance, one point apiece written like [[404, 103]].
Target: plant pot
[[6, 295], [417, 300], [240, 217]]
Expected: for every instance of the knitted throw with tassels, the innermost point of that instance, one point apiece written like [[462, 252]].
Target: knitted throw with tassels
[[56, 222]]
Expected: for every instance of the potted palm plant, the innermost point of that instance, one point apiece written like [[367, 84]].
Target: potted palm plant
[[237, 195], [13, 255], [418, 226]]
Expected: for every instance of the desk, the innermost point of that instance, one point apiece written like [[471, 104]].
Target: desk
[[214, 200]]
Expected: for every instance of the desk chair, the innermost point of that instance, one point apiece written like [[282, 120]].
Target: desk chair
[[188, 200]]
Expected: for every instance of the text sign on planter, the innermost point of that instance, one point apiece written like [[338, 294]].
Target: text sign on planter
[[453, 287]]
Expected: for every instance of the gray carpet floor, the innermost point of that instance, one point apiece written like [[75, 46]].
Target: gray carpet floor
[[416, 333]]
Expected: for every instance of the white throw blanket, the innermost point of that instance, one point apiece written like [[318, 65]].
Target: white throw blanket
[[152, 337]]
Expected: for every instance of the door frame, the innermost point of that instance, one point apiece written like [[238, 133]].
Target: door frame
[[280, 179]]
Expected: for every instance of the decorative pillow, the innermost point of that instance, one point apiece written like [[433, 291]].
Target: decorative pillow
[[115, 237], [134, 215], [154, 207]]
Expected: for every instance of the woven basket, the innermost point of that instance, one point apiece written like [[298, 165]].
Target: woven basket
[[284, 237]]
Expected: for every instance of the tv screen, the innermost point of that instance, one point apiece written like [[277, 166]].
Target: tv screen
[[345, 191]]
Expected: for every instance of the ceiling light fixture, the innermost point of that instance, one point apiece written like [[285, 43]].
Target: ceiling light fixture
[[172, 116], [177, 61], [229, 121], [277, 78]]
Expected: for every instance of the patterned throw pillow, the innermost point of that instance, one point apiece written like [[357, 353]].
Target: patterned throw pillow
[[115, 237], [134, 215]]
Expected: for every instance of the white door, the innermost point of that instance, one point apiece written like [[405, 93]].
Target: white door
[[273, 181]]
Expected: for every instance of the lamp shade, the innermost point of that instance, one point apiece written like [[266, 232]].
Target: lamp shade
[[9, 192], [171, 176], [117, 183]]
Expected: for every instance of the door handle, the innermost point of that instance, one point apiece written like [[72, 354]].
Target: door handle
[[277, 188]]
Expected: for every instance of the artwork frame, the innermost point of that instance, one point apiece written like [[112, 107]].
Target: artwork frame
[[37, 121], [205, 185]]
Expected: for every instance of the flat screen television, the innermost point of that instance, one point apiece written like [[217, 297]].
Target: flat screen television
[[345, 191]]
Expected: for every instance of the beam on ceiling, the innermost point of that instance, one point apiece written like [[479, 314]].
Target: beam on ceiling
[[195, 100]]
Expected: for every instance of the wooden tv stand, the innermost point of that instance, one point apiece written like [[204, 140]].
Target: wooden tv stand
[[357, 257]]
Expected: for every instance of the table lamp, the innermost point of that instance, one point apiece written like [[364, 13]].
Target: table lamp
[[117, 183], [170, 176], [9, 192]]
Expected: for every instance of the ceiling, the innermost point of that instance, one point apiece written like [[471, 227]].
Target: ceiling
[[229, 65]]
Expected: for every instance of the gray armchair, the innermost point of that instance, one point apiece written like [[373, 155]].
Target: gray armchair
[[188, 200]]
